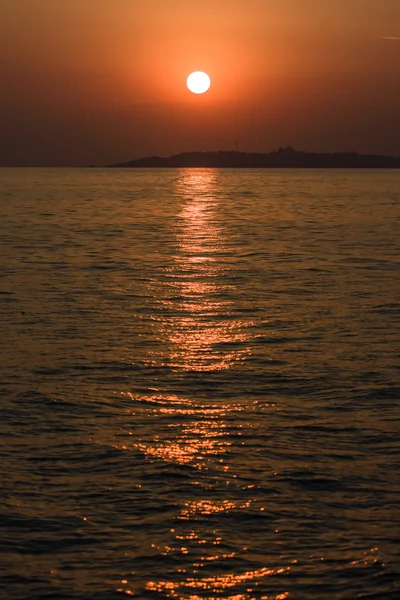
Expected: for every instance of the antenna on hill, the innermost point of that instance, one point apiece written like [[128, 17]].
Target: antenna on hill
[[236, 147]]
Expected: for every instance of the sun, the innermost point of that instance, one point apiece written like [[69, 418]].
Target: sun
[[198, 82]]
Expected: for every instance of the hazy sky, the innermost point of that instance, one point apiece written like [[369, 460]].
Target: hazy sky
[[98, 81]]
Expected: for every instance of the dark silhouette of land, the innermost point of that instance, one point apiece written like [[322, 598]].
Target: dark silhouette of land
[[281, 158]]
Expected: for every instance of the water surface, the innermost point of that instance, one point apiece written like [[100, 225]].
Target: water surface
[[200, 384]]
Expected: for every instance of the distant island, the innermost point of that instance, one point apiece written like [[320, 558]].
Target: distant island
[[281, 158]]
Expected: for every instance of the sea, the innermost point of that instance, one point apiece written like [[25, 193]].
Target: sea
[[200, 384]]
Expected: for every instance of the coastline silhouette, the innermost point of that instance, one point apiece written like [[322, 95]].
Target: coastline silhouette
[[282, 158]]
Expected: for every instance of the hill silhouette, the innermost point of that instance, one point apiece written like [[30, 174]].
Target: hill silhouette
[[281, 158]]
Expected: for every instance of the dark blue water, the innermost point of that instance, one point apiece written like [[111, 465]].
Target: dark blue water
[[200, 384]]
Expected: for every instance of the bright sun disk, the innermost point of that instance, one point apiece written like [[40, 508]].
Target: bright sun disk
[[198, 82]]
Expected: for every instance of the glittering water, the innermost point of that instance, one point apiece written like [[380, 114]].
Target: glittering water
[[200, 384]]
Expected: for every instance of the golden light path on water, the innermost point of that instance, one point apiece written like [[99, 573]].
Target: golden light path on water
[[202, 283], [200, 333]]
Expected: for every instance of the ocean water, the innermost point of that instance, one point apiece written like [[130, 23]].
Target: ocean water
[[200, 384]]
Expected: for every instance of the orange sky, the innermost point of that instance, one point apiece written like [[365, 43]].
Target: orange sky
[[98, 81]]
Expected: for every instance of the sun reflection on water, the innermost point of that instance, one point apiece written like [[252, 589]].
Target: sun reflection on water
[[198, 324], [191, 433], [218, 584], [199, 329]]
